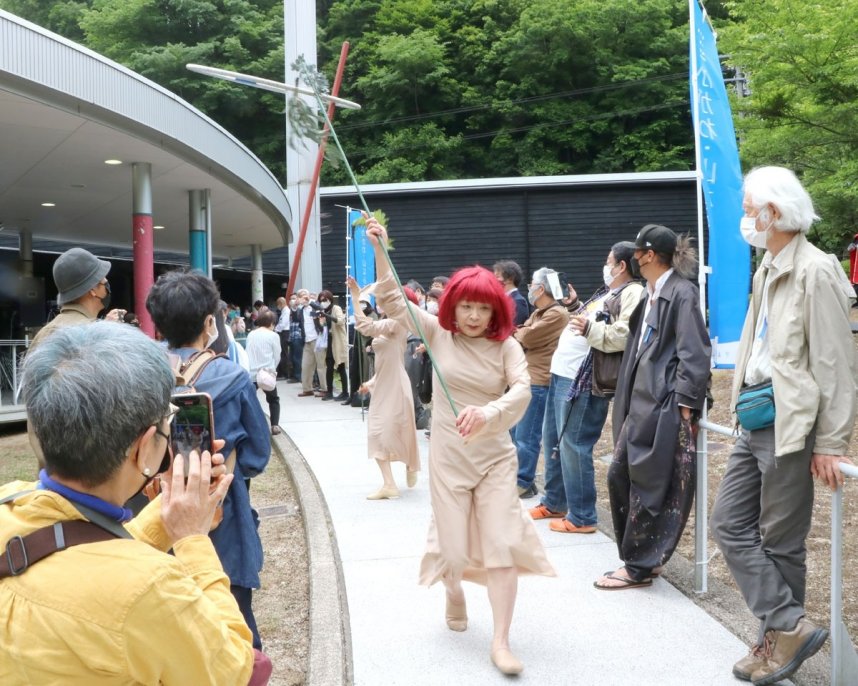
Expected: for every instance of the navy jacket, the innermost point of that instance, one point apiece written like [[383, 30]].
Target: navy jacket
[[240, 421], [522, 309]]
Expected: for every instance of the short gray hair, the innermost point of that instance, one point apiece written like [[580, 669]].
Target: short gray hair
[[90, 391], [778, 186], [540, 278]]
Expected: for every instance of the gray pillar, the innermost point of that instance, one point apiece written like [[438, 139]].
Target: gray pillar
[[25, 250], [207, 199], [256, 274], [299, 21]]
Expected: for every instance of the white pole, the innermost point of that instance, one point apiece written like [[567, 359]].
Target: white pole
[[349, 320], [701, 503]]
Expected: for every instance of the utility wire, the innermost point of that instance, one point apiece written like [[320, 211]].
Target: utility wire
[[503, 103]]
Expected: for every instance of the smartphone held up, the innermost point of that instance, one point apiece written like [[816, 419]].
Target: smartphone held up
[[193, 425]]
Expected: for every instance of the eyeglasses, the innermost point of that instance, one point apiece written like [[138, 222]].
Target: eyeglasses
[[167, 460]]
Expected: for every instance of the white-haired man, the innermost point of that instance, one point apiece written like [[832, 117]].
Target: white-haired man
[[796, 338]]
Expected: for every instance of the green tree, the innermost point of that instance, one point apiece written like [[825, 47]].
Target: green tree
[[801, 59]]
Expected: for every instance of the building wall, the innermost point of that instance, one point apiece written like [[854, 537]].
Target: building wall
[[570, 229]]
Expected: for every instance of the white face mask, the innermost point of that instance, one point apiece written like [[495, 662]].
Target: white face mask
[[748, 228], [532, 296], [432, 307], [607, 276], [212, 336]]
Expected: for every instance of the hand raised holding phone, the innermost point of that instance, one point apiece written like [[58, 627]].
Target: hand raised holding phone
[[189, 502]]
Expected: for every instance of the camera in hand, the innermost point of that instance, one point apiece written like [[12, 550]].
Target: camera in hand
[[318, 310], [603, 316]]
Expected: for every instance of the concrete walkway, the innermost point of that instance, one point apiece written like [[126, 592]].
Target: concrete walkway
[[565, 631]]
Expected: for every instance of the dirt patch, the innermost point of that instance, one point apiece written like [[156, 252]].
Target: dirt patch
[[282, 605]]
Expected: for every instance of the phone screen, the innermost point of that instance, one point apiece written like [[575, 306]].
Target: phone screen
[[193, 424]]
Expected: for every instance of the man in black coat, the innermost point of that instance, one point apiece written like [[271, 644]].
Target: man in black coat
[[660, 392], [510, 275]]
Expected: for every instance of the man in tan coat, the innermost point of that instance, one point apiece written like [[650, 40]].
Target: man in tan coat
[[797, 339], [538, 336]]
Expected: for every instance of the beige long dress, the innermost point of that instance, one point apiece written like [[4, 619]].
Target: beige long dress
[[391, 434], [478, 521]]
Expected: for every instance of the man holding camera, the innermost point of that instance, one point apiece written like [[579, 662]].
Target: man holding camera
[[312, 361]]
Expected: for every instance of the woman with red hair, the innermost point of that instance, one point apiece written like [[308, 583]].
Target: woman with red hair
[[479, 530]]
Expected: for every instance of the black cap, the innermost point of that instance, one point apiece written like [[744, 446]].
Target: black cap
[[656, 237]]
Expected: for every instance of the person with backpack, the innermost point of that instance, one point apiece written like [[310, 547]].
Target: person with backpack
[[183, 305]]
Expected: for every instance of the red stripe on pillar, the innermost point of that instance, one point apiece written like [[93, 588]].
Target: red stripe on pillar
[[144, 268]]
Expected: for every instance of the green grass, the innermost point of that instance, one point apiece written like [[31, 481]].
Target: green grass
[[17, 461]]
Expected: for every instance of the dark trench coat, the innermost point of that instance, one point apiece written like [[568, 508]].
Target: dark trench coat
[[670, 369]]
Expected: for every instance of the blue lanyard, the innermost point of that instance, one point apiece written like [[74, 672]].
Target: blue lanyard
[[115, 512]]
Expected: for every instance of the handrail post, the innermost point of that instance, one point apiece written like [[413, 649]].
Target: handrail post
[[701, 509], [844, 660]]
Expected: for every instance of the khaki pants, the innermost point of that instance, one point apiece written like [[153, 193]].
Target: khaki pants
[[312, 361]]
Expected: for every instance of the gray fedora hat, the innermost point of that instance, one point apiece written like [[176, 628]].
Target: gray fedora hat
[[75, 272]]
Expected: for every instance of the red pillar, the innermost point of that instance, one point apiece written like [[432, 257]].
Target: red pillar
[[143, 241]]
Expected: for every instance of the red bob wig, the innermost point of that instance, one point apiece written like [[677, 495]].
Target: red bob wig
[[477, 284]]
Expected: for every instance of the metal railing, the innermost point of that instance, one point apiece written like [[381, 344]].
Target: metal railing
[[844, 659], [11, 358]]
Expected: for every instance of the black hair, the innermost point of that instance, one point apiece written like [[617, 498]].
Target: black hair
[[443, 280], [179, 302], [510, 271], [221, 345], [623, 252]]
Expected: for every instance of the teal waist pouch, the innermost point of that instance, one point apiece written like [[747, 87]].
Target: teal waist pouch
[[755, 408]]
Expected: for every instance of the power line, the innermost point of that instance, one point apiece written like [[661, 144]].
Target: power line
[[594, 117], [530, 99]]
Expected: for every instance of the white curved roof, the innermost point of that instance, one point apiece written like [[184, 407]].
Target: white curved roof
[[65, 109]]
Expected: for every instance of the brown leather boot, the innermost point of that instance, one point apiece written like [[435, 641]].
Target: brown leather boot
[[749, 664], [786, 650]]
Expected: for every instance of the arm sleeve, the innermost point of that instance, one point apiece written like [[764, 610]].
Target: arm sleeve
[[373, 327], [831, 361], [611, 338], [506, 411], [694, 351], [397, 308], [255, 450], [537, 333], [186, 627]]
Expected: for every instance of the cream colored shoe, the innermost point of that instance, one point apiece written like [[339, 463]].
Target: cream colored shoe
[[384, 494], [506, 662], [457, 616], [410, 478]]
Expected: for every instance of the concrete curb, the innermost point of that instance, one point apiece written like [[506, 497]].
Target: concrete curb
[[330, 660]]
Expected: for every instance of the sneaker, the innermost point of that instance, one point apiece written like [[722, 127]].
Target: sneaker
[[785, 651], [542, 512], [528, 492], [749, 664]]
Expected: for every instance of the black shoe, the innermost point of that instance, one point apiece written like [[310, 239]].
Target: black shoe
[[341, 397], [529, 492], [328, 396], [293, 380], [347, 401]]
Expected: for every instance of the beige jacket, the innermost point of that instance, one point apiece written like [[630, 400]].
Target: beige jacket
[[611, 338], [812, 351]]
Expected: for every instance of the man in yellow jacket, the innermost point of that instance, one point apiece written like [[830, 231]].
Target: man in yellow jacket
[[119, 610]]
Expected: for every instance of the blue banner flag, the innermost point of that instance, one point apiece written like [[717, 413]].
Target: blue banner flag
[[721, 178], [361, 254]]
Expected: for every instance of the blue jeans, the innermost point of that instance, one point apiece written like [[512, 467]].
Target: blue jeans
[[570, 483], [528, 436]]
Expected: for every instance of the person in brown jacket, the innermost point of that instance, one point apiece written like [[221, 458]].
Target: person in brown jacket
[[538, 336]]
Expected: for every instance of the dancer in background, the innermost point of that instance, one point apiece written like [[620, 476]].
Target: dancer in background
[[479, 531], [391, 435]]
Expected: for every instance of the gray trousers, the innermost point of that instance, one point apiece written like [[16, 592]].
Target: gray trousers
[[312, 361], [760, 522]]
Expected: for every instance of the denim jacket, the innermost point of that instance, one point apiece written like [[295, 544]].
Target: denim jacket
[[240, 421]]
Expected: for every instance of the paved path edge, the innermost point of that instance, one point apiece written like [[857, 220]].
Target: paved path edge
[[330, 660]]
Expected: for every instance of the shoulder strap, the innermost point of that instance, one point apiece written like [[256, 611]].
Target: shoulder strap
[[24, 551], [188, 373]]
